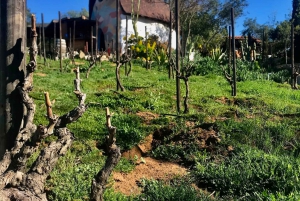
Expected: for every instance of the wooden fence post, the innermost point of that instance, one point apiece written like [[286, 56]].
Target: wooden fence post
[[177, 55], [233, 53], [12, 68], [54, 42], [60, 38], [146, 40], [74, 25], [44, 44], [126, 45], [170, 45], [92, 45]]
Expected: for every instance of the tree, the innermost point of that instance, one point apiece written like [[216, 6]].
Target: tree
[[281, 35], [224, 12], [252, 28], [208, 22], [74, 14]]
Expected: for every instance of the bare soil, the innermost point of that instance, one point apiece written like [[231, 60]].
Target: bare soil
[[127, 183], [147, 116], [204, 136], [40, 74]]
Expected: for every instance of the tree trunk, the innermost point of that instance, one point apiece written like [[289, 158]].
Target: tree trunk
[[12, 68]]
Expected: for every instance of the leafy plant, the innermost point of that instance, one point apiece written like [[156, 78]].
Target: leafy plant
[[177, 189], [250, 171]]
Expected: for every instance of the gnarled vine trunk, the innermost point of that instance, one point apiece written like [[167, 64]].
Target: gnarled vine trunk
[[15, 182], [18, 183]]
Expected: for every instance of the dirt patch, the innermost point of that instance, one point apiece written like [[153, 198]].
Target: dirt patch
[[223, 100], [204, 139], [132, 153], [146, 145], [147, 116], [202, 135], [79, 63], [242, 102], [190, 124], [40, 74], [127, 183], [139, 150]]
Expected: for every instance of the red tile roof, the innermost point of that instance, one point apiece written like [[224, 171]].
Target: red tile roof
[[154, 9]]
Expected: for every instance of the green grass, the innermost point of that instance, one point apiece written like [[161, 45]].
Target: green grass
[[261, 124]]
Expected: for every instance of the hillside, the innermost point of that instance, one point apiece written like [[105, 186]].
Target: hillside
[[226, 148]]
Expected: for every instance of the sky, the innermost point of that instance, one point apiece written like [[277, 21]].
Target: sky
[[265, 11], [50, 8]]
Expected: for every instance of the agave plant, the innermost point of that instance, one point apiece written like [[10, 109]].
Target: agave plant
[[160, 56], [217, 54]]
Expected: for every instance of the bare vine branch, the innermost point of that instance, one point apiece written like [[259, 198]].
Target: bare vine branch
[[114, 155]]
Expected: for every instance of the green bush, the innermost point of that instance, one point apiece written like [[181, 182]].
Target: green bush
[[207, 65]]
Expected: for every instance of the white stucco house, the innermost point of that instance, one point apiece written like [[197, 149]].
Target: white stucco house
[[153, 14]]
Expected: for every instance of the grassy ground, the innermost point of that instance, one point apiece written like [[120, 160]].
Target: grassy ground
[[252, 154]]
